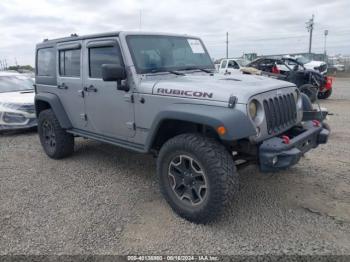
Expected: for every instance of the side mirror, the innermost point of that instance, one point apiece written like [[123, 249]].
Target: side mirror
[[114, 72]]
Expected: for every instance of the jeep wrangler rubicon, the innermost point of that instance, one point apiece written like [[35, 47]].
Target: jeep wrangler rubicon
[[157, 93]]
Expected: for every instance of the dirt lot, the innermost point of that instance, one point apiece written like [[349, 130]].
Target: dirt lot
[[105, 200]]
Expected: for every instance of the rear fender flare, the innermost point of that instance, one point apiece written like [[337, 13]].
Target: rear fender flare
[[56, 106]]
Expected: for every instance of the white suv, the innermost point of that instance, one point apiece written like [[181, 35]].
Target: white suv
[[230, 65]]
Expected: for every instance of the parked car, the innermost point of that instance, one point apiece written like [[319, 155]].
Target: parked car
[[319, 66], [231, 65], [16, 101], [157, 94], [309, 81]]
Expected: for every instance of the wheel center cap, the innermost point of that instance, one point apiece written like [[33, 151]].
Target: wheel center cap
[[188, 180]]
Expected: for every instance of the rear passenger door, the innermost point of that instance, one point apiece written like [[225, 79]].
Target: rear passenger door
[[110, 112], [70, 83]]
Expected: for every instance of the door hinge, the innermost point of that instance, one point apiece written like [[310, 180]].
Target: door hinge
[[131, 125], [129, 98], [81, 93], [83, 117]]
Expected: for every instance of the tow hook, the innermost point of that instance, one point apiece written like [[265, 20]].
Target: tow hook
[[286, 139], [316, 123]]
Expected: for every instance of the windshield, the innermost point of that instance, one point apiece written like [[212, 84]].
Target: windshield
[[15, 83], [242, 62], [303, 60], [163, 53]]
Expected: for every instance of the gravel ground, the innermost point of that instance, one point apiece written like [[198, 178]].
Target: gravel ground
[[105, 200]]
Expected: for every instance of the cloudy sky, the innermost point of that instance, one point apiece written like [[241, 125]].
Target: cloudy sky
[[262, 26]]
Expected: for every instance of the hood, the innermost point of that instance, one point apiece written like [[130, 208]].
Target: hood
[[313, 64], [21, 97], [216, 88]]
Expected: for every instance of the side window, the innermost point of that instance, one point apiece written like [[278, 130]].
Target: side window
[[223, 64], [69, 62], [46, 62], [232, 64], [102, 55]]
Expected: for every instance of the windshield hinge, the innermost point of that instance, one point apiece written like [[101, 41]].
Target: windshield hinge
[[232, 101], [129, 98]]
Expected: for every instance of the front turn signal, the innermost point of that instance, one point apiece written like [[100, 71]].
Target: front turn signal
[[221, 130]]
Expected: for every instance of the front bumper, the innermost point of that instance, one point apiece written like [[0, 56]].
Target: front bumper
[[274, 154], [30, 123]]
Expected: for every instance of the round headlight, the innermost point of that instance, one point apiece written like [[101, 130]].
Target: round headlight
[[297, 98], [253, 109], [296, 95]]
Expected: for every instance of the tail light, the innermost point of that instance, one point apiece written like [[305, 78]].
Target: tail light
[[275, 70], [329, 82]]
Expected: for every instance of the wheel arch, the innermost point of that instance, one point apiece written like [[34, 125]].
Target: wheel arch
[[45, 101], [199, 118]]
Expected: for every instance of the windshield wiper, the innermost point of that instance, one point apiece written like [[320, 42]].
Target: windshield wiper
[[168, 71], [201, 69]]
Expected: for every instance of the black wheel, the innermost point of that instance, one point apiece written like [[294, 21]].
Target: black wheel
[[57, 143], [325, 94], [197, 176], [310, 91]]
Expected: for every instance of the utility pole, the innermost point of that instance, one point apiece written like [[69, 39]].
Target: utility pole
[[310, 27], [325, 44], [140, 24], [226, 44]]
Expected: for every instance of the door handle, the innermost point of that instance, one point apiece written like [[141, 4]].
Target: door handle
[[62, 86], [91, 88]]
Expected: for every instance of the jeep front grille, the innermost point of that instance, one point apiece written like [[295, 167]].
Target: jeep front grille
[[280, 112]]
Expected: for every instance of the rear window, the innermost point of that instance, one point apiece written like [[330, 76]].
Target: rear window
[[46, 62], [15, 83], [69, 63]]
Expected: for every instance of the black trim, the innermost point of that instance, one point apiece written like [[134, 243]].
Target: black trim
[[69, 46], [56, 106], [237, 124], [303, 140], [104, 43], [110, 140]]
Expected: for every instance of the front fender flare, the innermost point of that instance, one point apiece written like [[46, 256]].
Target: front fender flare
[[237, 124]]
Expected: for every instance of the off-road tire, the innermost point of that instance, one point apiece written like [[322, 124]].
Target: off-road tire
[[325, 95], [310, 91], [63, 142], [218, 167]]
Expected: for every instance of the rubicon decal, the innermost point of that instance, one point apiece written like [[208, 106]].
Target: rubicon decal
[[189, 93]]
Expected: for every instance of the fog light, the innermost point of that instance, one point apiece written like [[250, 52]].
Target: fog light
[[10, 118], [274, 160]]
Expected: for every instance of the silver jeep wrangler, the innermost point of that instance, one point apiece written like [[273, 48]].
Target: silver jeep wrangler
[[158, 93]]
